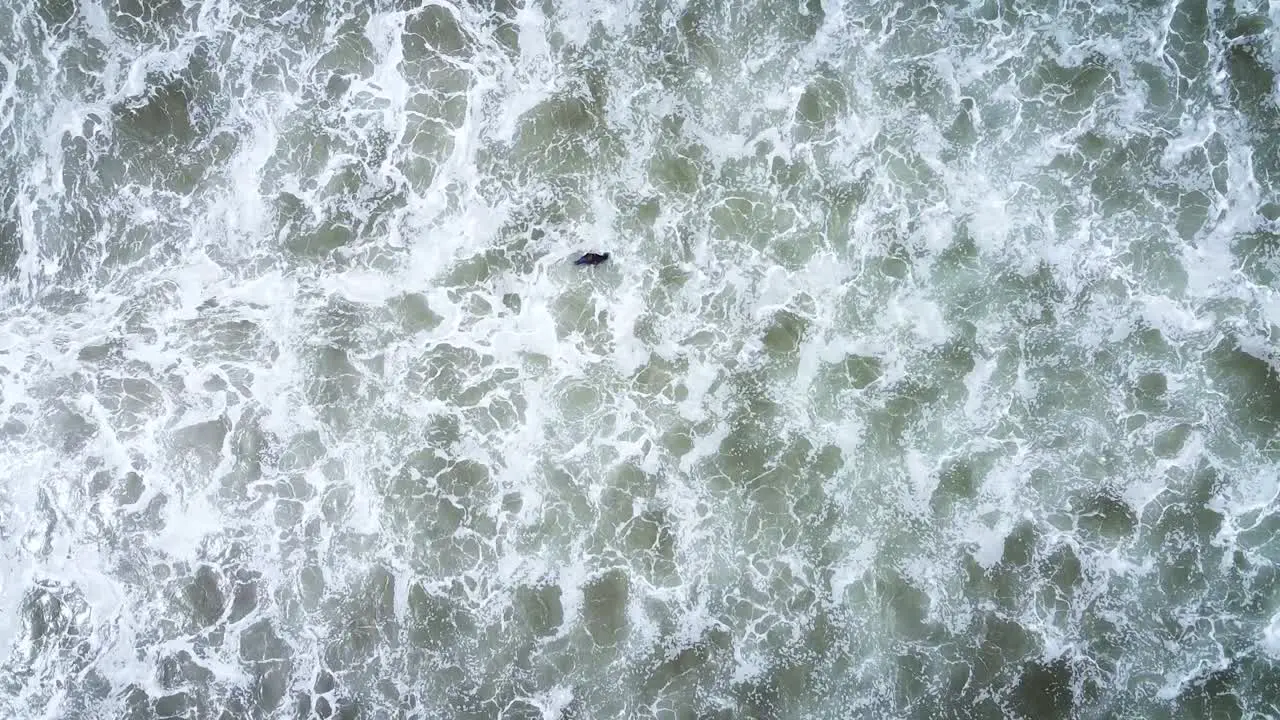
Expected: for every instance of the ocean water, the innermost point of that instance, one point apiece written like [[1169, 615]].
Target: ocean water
[[934, 374]]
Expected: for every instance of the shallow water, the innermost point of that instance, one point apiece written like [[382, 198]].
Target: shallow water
[[934, 373]]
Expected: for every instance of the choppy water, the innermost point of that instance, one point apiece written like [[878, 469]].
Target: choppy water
[[935, 374]]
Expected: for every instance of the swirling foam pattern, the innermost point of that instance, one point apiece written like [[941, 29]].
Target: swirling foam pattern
[[934, 374]]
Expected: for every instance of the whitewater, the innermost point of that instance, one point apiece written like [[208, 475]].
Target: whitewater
[[935, 371]]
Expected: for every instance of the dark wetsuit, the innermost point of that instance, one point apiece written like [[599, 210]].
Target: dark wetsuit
[[591, 259]]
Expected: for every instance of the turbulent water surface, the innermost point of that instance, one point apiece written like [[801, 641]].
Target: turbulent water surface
[[934, 373]]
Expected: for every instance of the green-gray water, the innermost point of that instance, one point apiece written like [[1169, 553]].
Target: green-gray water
[[934, 374]]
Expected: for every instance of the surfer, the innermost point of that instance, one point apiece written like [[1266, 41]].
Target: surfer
[[591, 259]]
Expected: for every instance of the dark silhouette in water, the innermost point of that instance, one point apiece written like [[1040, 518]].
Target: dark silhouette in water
[[591, 259]]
